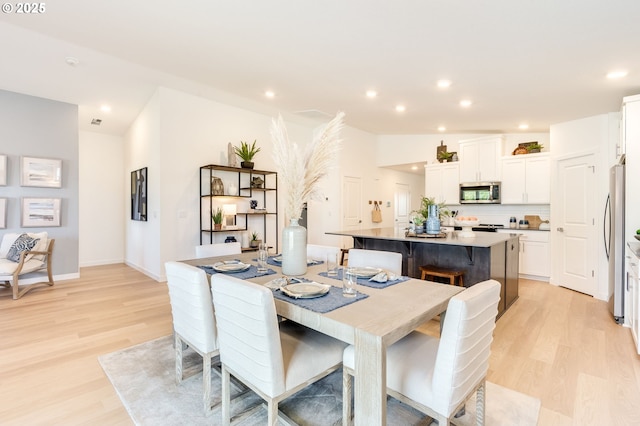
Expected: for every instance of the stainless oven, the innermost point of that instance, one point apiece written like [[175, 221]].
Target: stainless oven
[[480, 193]]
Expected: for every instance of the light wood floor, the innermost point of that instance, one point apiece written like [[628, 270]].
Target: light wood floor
[[554, 344]]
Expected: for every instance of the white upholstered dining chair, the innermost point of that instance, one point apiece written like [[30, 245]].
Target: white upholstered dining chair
[[194, 323], [274, 359], [388, 260], [320, 252], [218, 249], [436, 376]]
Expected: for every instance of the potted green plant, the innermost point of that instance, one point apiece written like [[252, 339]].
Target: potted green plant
[[217, 219], [255, 242], [445, 156], [534, 147], [246, 152], [443, 211]]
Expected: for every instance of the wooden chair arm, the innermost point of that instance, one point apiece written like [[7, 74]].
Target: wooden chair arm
[[26, 253]]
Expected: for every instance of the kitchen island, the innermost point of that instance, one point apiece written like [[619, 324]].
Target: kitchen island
[[486, 255]]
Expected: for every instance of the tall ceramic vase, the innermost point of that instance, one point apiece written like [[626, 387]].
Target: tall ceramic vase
[[294, 249], [433, 221]]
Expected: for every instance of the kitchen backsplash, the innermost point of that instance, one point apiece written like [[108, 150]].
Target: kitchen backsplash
[[500, 214]]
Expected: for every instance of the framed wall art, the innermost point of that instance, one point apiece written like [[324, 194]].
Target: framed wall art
[[3, 170], [3, 213], [41, 172], [40, 212], [139, 194]]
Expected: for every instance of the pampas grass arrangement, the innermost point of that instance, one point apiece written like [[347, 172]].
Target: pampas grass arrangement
[[300, 173]]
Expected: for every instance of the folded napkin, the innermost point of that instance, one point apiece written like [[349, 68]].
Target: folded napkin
[[384, 276]]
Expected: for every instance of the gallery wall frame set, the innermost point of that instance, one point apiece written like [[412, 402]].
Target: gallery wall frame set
[[3, 170], [41, 172], [3, 213], [40, 212]]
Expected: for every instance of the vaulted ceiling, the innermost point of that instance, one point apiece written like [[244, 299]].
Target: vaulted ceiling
[[518, 61]]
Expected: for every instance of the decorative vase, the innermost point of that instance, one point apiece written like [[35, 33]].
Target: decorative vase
[[294, 249], [246, 164], [217, 186], [217, 226], [433, 220]]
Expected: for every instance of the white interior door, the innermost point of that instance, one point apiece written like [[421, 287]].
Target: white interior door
[[575, 230], [351, 207], [402, 205]]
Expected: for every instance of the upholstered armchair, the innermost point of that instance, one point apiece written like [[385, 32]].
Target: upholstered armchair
[[22, 254]]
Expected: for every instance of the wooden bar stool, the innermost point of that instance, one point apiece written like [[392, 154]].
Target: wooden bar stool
[[435, 271]]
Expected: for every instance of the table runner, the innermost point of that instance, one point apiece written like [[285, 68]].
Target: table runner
[[271, 261], [323, 304], [252, 272], [365, 281]]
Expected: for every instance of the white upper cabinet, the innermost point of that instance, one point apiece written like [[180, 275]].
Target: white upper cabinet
[[480, 159], [526, 179], [442, 182]]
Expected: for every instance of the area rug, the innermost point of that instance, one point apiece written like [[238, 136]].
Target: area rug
[[143, 376]]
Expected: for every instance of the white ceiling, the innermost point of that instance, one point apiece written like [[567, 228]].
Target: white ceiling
[[534, 61]]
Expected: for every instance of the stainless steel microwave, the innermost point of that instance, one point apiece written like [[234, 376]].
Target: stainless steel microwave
[[480, 193]]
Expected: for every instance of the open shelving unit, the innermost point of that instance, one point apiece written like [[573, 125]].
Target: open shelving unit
[[239, 189]]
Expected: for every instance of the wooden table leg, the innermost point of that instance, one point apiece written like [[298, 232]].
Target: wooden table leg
[[371, 380]]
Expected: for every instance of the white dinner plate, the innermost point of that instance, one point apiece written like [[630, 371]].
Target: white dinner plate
[[365, 271], [230, 267], [277, 259], [305, 290]]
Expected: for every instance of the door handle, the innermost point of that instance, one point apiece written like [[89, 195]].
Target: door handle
[[560, 229]]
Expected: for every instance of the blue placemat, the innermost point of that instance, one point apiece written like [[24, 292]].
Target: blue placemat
[[365, 281], [252, 272], [271, 261], [323, 304]]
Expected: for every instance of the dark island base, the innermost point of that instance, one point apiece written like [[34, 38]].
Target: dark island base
[[498, 262]]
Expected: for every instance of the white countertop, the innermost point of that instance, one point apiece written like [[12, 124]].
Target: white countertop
[[480, 239]]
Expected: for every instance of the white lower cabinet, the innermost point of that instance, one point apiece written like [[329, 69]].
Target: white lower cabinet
[[633, 298], [535, 259]]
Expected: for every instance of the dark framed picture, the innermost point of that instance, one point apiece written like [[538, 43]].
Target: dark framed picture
[[139, 194]]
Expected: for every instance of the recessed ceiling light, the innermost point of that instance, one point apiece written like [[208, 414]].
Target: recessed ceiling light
[[371, 93], [105, 108], [523, 126], [269, 94], [443, 84], [401, 108], [442, 129], [617, 74], [465, 103]]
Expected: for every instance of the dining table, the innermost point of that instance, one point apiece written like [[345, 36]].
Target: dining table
[[373, 321]]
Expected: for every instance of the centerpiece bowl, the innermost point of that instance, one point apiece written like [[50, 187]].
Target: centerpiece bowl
[[466, 225]]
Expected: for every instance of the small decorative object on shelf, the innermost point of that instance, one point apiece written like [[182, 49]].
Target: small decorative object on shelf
[[445, 156], [527, 148], [230, 239], [255, 242], [440, 149], [217, 219], [231, 156], [246, 152], [217, 186], [257, 182], [253, 204]]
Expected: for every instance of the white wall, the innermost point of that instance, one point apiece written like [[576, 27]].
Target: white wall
[[101, 224]]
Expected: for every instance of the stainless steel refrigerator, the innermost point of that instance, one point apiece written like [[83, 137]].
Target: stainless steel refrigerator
[[615, 241]]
